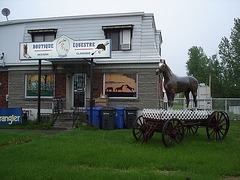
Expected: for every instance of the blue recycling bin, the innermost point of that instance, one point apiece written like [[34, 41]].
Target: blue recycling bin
[[119, 117], [96, 116]]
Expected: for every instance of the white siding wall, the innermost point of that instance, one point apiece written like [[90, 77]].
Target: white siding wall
[[10, 37], [144, 43], [149, 51]]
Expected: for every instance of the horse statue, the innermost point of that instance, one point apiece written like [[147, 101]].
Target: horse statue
[[175, 84]]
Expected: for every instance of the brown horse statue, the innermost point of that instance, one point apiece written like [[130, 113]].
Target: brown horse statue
[[174, 84]]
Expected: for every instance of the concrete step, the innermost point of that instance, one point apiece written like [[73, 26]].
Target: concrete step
[[63, 125], [68, 120]]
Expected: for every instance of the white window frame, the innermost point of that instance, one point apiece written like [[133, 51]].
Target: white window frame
[[125, 39]]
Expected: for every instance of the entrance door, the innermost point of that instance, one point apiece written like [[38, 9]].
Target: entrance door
[[79, 93]]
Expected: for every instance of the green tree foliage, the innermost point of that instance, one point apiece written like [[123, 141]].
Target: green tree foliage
[[229, 51], [198, 64], [216, 77], [225, 74]]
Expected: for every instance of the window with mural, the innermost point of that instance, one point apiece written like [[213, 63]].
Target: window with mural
[[47, 85], [121, 85]]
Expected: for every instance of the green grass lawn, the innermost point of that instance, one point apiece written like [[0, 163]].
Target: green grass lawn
[[90, 153], [29, 125]]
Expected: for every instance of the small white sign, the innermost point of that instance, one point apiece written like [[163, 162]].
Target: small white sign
[[65, 48]]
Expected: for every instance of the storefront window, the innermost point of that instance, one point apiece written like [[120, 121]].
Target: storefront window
[[47, 85], [121, 85]]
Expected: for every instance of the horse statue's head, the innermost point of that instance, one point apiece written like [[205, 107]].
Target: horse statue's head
[[161, 68]]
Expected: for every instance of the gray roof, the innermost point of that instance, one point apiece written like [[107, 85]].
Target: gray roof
[[10, 22]]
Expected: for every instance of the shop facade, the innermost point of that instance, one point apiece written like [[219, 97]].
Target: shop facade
[[128, 77]]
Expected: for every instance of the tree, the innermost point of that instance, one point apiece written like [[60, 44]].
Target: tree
[[225, 74], [201, 67], [216, 77], [229, 51], [198, 64]]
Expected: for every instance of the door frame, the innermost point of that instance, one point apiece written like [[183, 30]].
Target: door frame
[[85, 90]]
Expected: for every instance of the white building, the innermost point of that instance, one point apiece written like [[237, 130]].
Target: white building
[[204, 96], [136, 51]]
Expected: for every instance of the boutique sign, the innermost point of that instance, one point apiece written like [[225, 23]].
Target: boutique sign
[[65, 48], [9, 116]]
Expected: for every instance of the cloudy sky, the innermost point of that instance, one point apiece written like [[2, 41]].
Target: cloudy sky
[[184, 23]]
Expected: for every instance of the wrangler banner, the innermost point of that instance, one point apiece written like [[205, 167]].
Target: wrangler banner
[[9, 116]]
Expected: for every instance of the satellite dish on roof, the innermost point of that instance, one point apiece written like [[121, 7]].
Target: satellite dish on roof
[[5, 12]]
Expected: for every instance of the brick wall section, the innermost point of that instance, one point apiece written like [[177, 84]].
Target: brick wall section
[[16, 91], [3, 89], [60, 85], [97, 84]]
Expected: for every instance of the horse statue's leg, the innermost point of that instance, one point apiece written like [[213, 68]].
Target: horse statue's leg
[[170, 101], [186, 93], [169, 104], [195, 99]]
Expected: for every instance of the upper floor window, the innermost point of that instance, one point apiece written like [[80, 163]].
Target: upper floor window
[[43, 35], [121, 36]]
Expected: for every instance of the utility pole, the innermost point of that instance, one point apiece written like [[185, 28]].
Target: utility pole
[[91, 95], [39, 91]]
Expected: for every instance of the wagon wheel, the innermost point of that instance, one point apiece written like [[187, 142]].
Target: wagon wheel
[[217, 125], [190, 130], [149, 131], [139, 128], [173, 132], [226, 115]]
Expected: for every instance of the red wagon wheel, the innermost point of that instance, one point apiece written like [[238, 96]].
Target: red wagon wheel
[[139, 128], [190, 130], [149, 131], [173, 132], [217, 125]]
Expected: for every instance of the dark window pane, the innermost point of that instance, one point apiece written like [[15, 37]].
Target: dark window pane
[[49, 38], [115, 41], [115, 37], [43, 37], [38, 38]]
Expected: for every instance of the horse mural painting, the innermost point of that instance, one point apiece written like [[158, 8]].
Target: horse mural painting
[[174, 84], [119, 88]]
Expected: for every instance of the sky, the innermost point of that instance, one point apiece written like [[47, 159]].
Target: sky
[[183, 23]]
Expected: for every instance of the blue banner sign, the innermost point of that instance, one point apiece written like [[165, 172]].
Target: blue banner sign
[[9, 116]]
